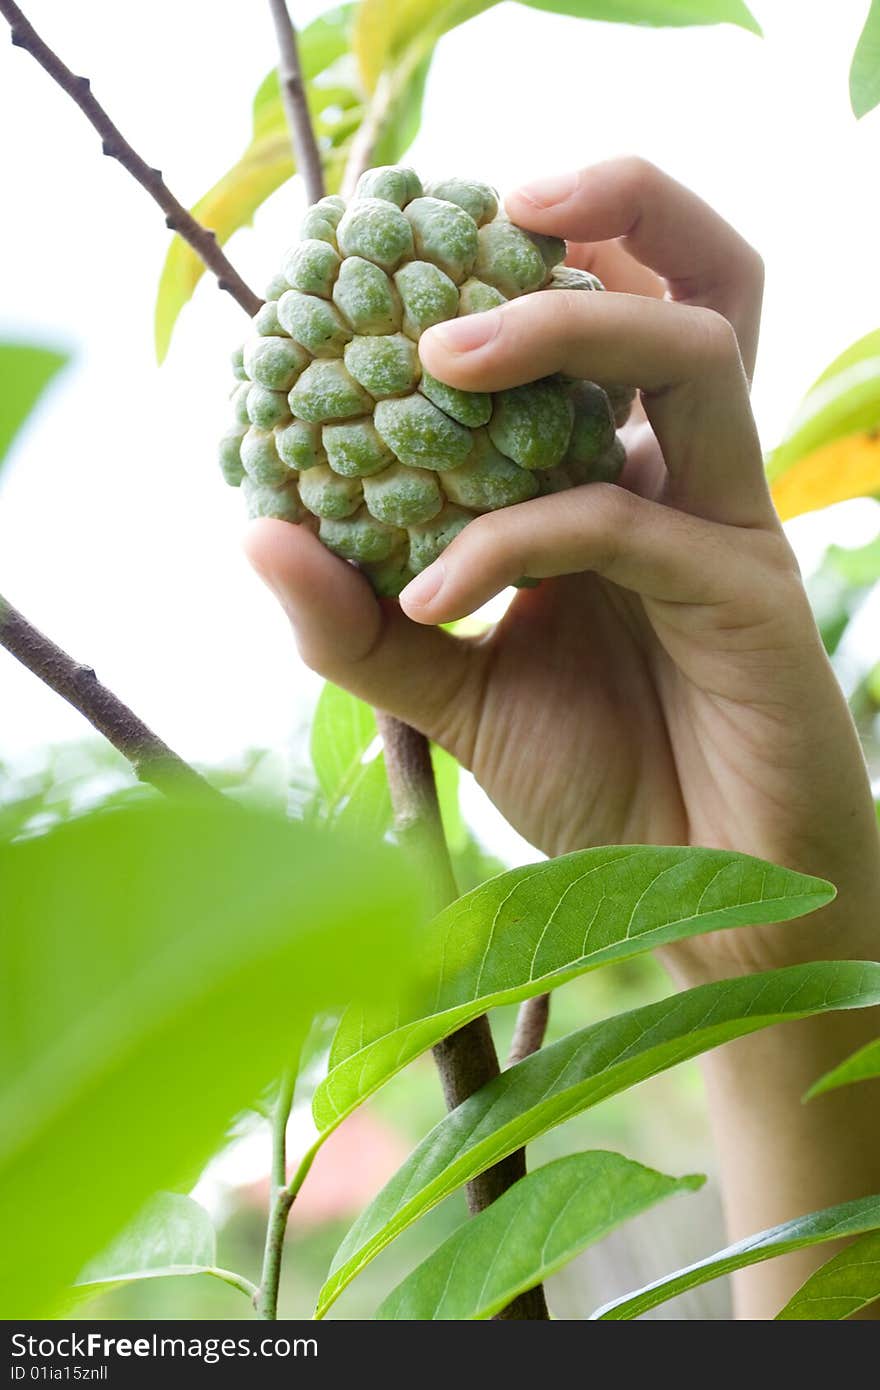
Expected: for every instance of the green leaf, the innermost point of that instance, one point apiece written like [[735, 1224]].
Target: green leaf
[[848, 1219], [535, 1228], [343, 729], [384, 29], [844, 1284], [859, 566], [25, 372], [172, 1236], [860, 351], [655, 12], [266, 164], [863, 1065], [401, 125], [532, 929], [864, 77], [157, 965], [847, 403], [568, 1077]]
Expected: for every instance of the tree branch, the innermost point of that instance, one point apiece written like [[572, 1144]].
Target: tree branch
[[467, 1060], [293, 97], [152, 760], [202, 239], [531, 1025]]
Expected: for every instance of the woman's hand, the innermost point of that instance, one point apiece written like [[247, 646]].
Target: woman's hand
[[666, 684]]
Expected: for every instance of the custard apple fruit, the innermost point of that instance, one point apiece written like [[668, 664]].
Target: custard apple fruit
[[336, 424]]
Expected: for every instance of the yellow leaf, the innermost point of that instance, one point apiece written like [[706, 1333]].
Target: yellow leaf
[[845, 468], [230, 204], [384, 28]]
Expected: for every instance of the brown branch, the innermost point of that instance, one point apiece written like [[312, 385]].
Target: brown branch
[[202, 239], [531, 1025], [293, 97], [152, 760], [467, 1060]]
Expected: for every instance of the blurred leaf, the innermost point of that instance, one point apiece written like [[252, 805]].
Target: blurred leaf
[[536, 927], [171, 1236], [401, 125], [355, 789], [862, 350], [447, 776], [831, 451], [863, 1065], [534, 1229], [569, 1076], [655, 12], [384, 29], [848, 1219], [864, 77], [25, 371], [156, 967], [266, 164], [343, 729], [847, 1282], [858, 565], [834, 473]]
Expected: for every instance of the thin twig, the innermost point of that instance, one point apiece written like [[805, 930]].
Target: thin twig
[[202, 239], [293, 96], [467, 1060], [152, 760], [266, 1297], [366, 137], [531, 1025]]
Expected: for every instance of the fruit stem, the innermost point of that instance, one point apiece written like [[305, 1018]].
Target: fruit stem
[[467, 1060]]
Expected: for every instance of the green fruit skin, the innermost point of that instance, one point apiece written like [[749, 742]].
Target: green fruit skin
[[282, 503], [532, 424], [403, 496], [385, 366], [274, 362], [392, 182], [261, 459], [325, 391], [266, 408], [478, 200], [593, 428], [428, 295], [337, 426], [420, 435], [376, 230], [230, 456], [299, 445], [428, 541], [361, 537], [475, 297], [326, 494], [312, 266], [313, 323], [471, 408], [366, 297], [445, 234], [487, 480], [508, 259], [355, 450]]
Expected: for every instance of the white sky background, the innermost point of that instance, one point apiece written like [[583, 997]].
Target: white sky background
[[116, 533]]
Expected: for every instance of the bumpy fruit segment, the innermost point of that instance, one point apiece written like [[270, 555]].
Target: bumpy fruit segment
[[335, 423]]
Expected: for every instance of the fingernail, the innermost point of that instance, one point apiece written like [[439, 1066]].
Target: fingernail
[[425, 586], [465, 334], [546, 193]]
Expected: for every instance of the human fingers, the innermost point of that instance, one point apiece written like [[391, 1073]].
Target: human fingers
[[659, 223], [419, 674], [685, 360]]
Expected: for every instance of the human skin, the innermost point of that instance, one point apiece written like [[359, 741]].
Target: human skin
[[666, 684]]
